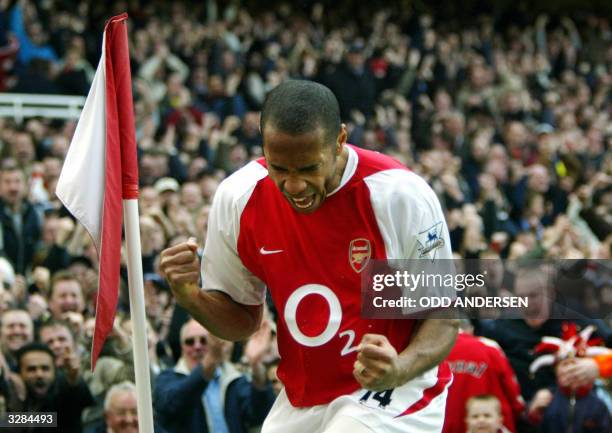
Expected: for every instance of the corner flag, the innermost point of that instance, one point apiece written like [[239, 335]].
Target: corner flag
[[101, 168]]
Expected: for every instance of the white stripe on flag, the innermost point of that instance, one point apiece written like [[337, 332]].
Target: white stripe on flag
[[81, 183]]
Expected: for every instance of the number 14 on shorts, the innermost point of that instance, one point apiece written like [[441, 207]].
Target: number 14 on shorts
[[383, 398]]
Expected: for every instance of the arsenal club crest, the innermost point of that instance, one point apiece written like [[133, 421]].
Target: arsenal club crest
[[359, 254]]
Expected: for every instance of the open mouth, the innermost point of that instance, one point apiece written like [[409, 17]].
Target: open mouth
[[15, 340], [40, 387], [305, 202]]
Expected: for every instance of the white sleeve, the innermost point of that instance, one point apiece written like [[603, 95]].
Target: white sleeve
[[409, 216], [222, 268]]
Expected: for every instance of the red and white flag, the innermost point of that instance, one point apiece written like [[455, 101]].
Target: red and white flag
[[101, 168]]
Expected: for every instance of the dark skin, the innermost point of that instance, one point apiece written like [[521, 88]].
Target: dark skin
[[305, 168], [38, 372]]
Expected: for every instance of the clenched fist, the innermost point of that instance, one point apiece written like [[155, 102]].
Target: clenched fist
[[181, 267], [377, 367]]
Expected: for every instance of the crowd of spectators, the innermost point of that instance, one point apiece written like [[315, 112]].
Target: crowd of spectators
[[508, 120]]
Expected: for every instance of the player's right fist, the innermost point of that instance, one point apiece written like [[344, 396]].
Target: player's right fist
[[180, 265]]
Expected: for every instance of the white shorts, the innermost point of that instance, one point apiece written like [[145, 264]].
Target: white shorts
[[415, 407]]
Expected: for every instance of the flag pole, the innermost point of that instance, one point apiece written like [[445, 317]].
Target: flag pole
[[137, 310], [99, 178]]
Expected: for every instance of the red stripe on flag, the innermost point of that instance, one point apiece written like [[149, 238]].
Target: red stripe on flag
[[444, 378], [121, 170], [125, 113]]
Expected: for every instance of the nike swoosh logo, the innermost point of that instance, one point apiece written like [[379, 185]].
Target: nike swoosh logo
[[263, 251]]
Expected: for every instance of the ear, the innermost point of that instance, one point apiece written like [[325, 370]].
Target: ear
[[341, 139]]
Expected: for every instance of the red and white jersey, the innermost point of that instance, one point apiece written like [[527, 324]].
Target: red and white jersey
[[311, 263]]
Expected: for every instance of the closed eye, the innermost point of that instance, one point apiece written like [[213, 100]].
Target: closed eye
[[306, 169], [309, 168], [279, 169]]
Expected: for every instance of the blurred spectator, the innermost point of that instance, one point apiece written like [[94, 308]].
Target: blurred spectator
[[75, 73], [52, 390], [120, 411], [59, 338], [12, 388], [109, 371], [21, 224], [483, 415], [9, 46], [352, 83], [205, 393], [518, 337], [16, 330], [65, 296], [582, 371], [32, 36], [573, 406]]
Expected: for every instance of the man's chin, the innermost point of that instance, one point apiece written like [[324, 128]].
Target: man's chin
[[40, 392], [15, 346]]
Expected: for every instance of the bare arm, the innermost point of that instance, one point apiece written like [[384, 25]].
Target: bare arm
[[216, 311], [429, 347], [222, 316]]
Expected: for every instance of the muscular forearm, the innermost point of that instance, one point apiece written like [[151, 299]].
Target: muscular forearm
[[430, 345], [221, 315]]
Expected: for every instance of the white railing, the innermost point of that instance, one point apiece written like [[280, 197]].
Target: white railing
[[20, 106]]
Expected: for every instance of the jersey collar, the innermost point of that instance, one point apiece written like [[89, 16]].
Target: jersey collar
[[349, 170]]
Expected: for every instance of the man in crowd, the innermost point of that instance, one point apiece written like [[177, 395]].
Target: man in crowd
[[16, 330], [58, 336], [20, 223], [204, 393], [120, 409], [65, 295], [51, 390]]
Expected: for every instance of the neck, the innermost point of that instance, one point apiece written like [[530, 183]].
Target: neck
[[190, 363], [536, 322], [340, 166]]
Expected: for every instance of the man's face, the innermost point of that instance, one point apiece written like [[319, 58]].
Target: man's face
[[194, 340], [208, 186], [53, 167], [516, 134], [50, 227], [536, 288], [38, 373], [24, 148], [483, 417], [148, 198], [66, 297], [13, 186], [16, 330], [191, 196], [302, 166], [122, 415], [59, 339]]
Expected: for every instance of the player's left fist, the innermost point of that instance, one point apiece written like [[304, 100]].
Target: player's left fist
[[377, 367]]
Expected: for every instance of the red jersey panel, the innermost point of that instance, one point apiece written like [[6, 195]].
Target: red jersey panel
[[311, 263]]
